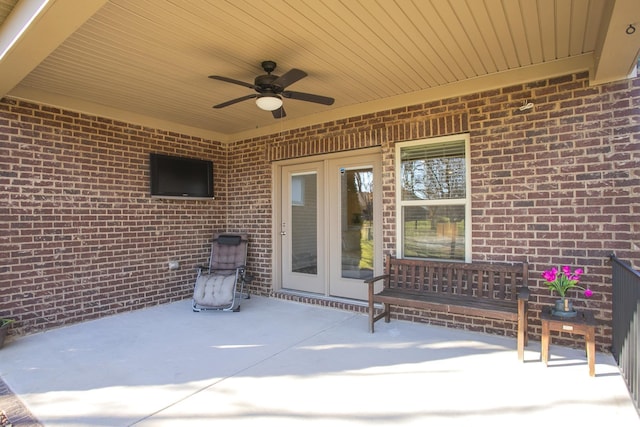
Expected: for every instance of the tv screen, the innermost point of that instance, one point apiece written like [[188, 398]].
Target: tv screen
[[173, 176]]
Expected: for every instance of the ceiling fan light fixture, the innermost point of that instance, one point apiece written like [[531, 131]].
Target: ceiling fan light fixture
[[269, 102]]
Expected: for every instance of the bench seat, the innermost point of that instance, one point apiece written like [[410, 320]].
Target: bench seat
[[491, 290]]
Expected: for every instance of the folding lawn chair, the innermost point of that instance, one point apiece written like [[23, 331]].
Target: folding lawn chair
[[220, 285]]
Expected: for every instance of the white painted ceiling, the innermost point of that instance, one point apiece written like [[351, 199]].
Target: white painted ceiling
[[147, 61]]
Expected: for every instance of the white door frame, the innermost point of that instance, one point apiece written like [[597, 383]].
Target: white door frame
[[303, 281], [276, 199]]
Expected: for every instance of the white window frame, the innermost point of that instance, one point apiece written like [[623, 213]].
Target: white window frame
[[400, 204]]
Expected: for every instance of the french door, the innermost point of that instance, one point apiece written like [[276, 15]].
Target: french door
[[328, 225], [302, 228]]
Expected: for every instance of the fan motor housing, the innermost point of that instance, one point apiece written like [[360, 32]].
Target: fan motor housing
[[265, 83]]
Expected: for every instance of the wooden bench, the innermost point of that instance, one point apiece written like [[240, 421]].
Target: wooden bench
[[497, 291]]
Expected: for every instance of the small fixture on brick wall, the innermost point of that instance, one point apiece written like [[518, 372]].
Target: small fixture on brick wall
[[174, 264], [526, 106]]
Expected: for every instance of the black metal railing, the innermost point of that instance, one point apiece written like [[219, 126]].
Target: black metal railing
[[626, 309]]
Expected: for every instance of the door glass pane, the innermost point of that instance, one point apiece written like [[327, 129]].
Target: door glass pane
[[434, 231], [356, 201], [304, 224]]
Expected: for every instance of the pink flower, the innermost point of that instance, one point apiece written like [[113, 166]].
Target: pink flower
[[550, 275], [563, 279], [588, 293]]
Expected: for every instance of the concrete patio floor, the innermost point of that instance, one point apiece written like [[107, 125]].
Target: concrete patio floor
[[282, 363]]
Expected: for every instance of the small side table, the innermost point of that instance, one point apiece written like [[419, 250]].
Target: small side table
[[582, 324]]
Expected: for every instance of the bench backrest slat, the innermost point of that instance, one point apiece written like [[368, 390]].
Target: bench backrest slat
[[479, 280]]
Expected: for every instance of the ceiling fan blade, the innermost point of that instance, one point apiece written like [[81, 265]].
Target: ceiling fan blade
[[279, 113], [234, 81], [234, 101], [289, 78], [318, 99]]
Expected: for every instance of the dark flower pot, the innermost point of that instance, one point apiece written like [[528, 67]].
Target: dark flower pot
[[564, 308]]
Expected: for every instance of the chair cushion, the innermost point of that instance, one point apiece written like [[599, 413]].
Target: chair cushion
[[214, 290]]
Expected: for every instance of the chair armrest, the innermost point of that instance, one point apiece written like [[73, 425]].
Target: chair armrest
[[375, 279], [242, 271], [201, 267], [524, 293]]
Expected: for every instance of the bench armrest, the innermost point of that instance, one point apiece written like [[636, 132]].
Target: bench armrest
[[524, 293], [375, 279]]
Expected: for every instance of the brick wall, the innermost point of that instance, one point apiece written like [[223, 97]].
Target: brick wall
[[80, 236], [559, 184], [556, 184], [249, 207]]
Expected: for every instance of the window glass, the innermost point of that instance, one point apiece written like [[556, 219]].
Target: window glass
[[433, 201], [430, 172], [434, 232]]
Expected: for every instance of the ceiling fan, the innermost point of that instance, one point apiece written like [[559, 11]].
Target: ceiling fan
[[271, 89]]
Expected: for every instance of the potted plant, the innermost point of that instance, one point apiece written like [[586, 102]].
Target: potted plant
[[4, 327], [561, 281]]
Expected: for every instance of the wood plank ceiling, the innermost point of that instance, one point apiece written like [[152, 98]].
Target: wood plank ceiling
[[147, 61]]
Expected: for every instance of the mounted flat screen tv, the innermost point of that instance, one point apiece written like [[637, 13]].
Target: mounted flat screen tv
[[180, 177]]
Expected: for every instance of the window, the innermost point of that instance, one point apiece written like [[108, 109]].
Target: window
[[434, 199], [297, 190]]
